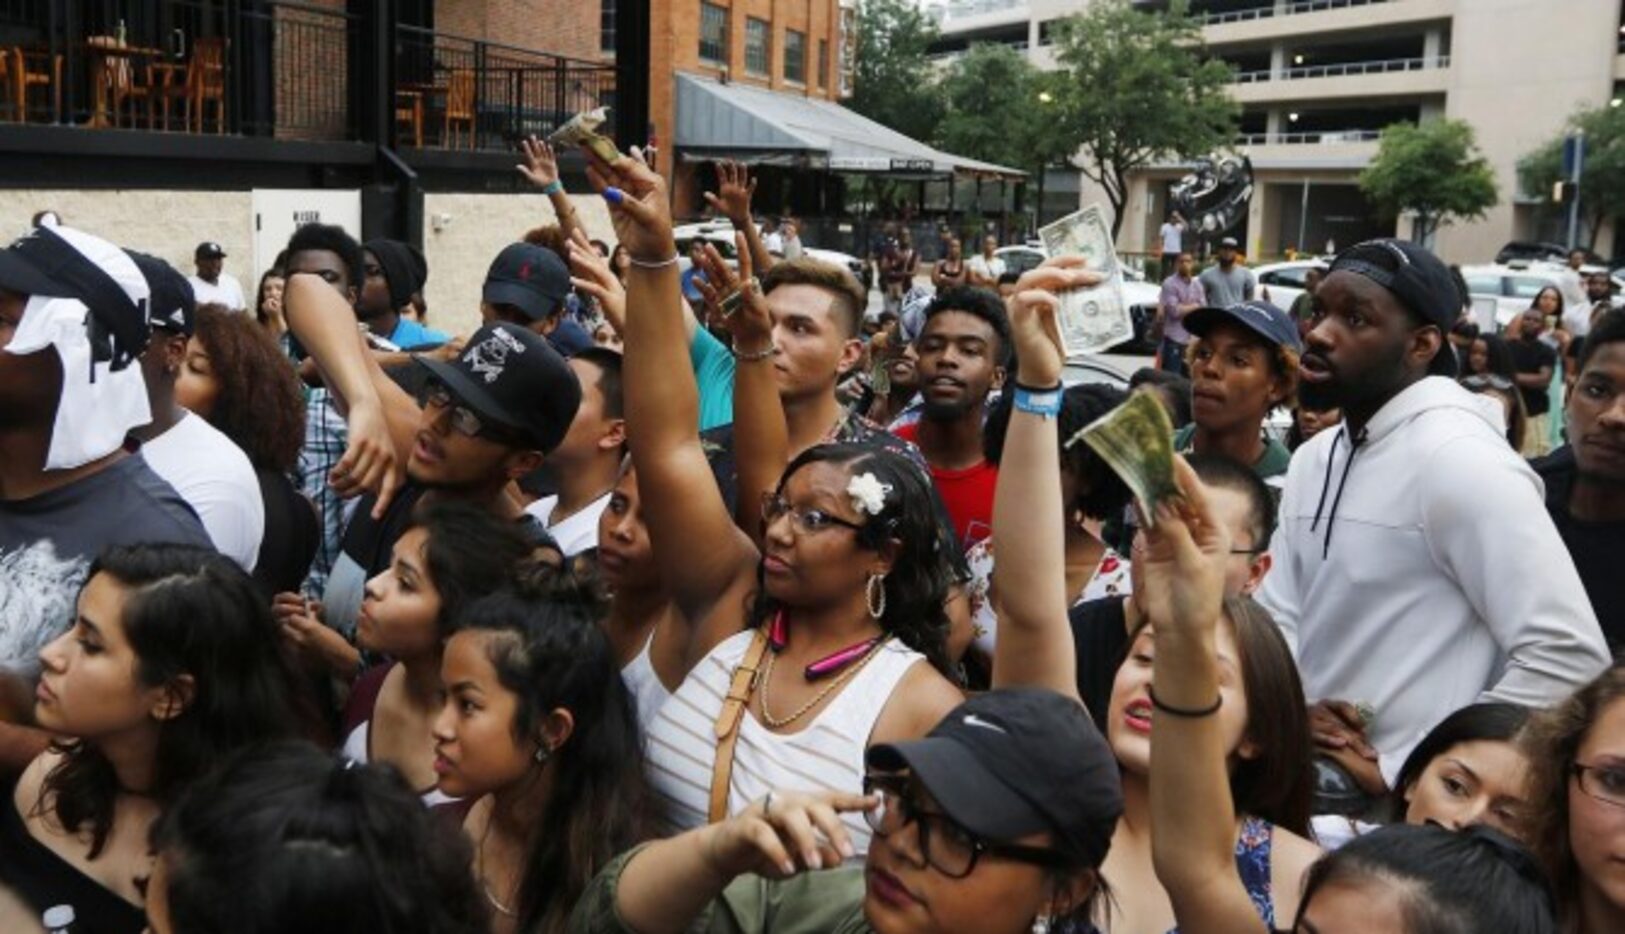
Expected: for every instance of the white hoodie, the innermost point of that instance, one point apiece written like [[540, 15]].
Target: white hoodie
[[1433, 577]]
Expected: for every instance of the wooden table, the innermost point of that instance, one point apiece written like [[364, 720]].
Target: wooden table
[[103, 52]]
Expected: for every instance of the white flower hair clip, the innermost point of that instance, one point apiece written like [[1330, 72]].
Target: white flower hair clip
[[868, 494]]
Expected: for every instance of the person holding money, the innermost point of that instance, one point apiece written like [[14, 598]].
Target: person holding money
[[1244, 363]]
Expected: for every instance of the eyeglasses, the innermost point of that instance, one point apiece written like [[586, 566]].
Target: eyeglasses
[[811, 521], [464, 420], [1481, 381], [1606, 783], [947, 847]]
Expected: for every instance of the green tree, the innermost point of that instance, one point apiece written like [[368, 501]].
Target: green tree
[[1002, 109], [894, 82], [1140, 88], [1433, 170], [1602, 177]]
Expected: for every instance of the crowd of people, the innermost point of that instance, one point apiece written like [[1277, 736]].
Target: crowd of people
[[316, 618]]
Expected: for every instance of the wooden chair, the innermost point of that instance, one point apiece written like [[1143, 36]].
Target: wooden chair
[[205, 82], [409, 111], [459, 106], [31, 68]]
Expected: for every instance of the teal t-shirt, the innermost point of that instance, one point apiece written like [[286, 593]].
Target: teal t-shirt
[[714, 372], [1271, 465]]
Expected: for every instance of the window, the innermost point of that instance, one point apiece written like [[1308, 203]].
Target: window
[[1483, 285], [713, 33], [1292, 276], [606, 25], [795, 56], [758, 46], [823, 63]]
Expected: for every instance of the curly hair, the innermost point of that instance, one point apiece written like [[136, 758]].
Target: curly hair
[[917, 587], [1283, 363], [260, 406], [1101, 492], [1552, 742], [550, 237]]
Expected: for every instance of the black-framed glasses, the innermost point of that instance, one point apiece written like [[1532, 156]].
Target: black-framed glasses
[[811, 521], [1605, 783], [464, 420], [946, 846]]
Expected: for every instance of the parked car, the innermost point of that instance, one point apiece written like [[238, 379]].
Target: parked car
[[720, 233], [1140, 295], [1019, 259], [1505, 291], [1282, 283], [1531, 251]]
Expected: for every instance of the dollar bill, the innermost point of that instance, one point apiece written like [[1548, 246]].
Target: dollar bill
[[582, 130], [1136, 440], [1094, 319]]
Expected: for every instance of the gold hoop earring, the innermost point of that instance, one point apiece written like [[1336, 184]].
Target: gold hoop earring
[[877, 604]]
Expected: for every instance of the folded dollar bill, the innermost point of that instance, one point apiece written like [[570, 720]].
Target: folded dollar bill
[[582, 130], [1136, 440]]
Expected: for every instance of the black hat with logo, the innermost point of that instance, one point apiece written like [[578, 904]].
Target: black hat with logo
[[514, 378]]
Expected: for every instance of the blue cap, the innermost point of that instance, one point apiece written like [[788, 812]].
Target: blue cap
[[1258, 316]]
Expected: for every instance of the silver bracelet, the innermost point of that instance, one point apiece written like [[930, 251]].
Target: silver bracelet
[[641, 264], [756, 355]]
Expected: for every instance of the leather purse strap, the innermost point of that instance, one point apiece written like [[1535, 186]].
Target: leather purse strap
[[727, 725]]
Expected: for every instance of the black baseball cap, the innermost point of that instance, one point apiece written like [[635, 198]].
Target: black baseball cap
[[172, 306], [529, 277], [513, 377], [1017, 761], [1261, 317], [208, 249], [1418, 279]]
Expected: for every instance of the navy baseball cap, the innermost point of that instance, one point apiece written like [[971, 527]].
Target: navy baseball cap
[[529, 277], [514, 377], [1258, 316]]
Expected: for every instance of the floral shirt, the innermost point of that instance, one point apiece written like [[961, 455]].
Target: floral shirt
[[1111, 579]]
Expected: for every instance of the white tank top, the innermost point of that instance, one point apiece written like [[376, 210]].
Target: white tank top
[[643, 683], [824, 755]]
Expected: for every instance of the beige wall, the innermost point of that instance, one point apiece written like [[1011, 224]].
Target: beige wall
[[480, 226], [1519, 68], [168, 224]]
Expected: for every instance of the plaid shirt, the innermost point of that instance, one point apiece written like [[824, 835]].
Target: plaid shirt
[[325, 437]]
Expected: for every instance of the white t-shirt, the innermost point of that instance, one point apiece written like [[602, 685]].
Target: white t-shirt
[[575, 534], [214, 477], [228, 292], [1172, 237], [989, 269]]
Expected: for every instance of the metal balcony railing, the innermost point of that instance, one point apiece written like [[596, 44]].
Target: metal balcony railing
[[1291, 9], [1312, 138], [1343, 69]]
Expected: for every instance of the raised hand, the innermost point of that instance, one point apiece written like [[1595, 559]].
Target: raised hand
[[735, 187], [1184, 558], [1033, 307], [593, 275], [783, 834], [541, 166], [638, 205], [739, 297], [369, 464]]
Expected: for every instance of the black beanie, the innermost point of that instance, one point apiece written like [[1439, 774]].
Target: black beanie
[[400, 270]]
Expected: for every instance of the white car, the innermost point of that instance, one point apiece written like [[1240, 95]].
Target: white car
[[720, 234], [1501, 293], [1141, 296], [1280, 284]]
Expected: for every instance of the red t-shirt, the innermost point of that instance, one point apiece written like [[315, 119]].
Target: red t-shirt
[[967, 493]]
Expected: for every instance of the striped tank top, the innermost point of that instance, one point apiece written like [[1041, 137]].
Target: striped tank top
[[824, 755]]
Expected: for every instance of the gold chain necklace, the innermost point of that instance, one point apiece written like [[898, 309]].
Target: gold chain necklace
[[479, 869], [845, 676]]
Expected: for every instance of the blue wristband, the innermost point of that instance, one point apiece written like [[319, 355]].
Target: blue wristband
[[553, 187], [1045, 403]]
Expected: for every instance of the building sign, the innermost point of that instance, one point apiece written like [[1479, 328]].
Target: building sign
[[913, 165], [880, 164]]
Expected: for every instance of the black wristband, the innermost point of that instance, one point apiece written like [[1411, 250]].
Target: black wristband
[[1040, 389], [1184, 712]]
